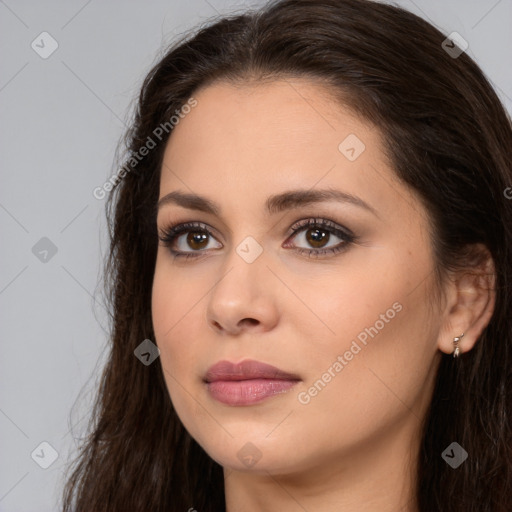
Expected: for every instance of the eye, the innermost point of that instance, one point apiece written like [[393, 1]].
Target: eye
[[318, 233], [315, 232], [197, 238]]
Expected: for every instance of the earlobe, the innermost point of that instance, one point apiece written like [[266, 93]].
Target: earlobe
[[471, 307]]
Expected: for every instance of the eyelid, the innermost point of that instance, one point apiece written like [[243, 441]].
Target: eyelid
[[191, 224], [323, 222]]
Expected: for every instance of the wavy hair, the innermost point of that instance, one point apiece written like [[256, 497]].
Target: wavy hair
[[448, 137]]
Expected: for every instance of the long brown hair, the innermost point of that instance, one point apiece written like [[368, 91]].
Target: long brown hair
[[448, 137]]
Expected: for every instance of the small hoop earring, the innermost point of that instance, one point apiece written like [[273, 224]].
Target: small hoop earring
[[456, 345]]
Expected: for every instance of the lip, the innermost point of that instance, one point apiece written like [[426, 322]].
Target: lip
[[247, 382], [246, 370]]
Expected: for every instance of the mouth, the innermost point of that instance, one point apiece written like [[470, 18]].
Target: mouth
[[247, 383]]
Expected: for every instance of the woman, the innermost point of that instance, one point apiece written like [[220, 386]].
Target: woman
[[310, 275]]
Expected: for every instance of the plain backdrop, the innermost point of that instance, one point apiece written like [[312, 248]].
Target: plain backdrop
[[61, 119]]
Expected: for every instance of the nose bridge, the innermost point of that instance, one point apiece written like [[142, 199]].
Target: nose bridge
[[243, 290], [247, 260], [247, 236]]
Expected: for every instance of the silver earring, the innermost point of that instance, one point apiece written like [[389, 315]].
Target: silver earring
[[456, 345]]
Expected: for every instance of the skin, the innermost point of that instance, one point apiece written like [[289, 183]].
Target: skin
[[353, 446]]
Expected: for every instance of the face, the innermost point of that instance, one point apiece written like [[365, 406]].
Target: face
[[333, 291]]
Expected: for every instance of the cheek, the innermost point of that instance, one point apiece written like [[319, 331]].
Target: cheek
[[175, 335], [376, 318], [175, 305], [353, 301], [175, 297]]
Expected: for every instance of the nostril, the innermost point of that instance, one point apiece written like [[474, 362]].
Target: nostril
[[250, 321]]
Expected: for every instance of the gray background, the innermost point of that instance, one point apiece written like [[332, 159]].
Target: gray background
[[61, 119]]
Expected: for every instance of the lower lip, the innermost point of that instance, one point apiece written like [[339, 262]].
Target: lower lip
[[247, 392]]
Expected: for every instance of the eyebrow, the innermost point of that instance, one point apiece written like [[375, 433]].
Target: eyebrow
[[274, 204]]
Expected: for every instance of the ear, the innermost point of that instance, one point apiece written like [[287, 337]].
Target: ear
[[470, 302]]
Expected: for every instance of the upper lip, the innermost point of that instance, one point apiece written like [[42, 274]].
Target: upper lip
[[246, 370]]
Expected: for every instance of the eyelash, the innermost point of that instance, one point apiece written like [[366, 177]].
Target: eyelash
[[168, 236]]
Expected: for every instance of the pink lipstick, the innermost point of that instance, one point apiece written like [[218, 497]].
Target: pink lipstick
[[247, 382]]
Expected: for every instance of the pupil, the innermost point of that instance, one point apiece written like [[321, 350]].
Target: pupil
[[196, 239], [317, 238]]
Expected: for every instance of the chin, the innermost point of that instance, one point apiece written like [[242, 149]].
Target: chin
[[249, 454]]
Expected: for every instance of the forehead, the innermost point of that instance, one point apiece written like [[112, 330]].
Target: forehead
[[276, 112], [281, 128], [243, 143]]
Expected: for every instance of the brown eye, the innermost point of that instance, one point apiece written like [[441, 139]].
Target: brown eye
[[197, 240], [317, 237], [316, 234]]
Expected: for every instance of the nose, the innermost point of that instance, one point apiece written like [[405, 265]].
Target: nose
[[243, 298]]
